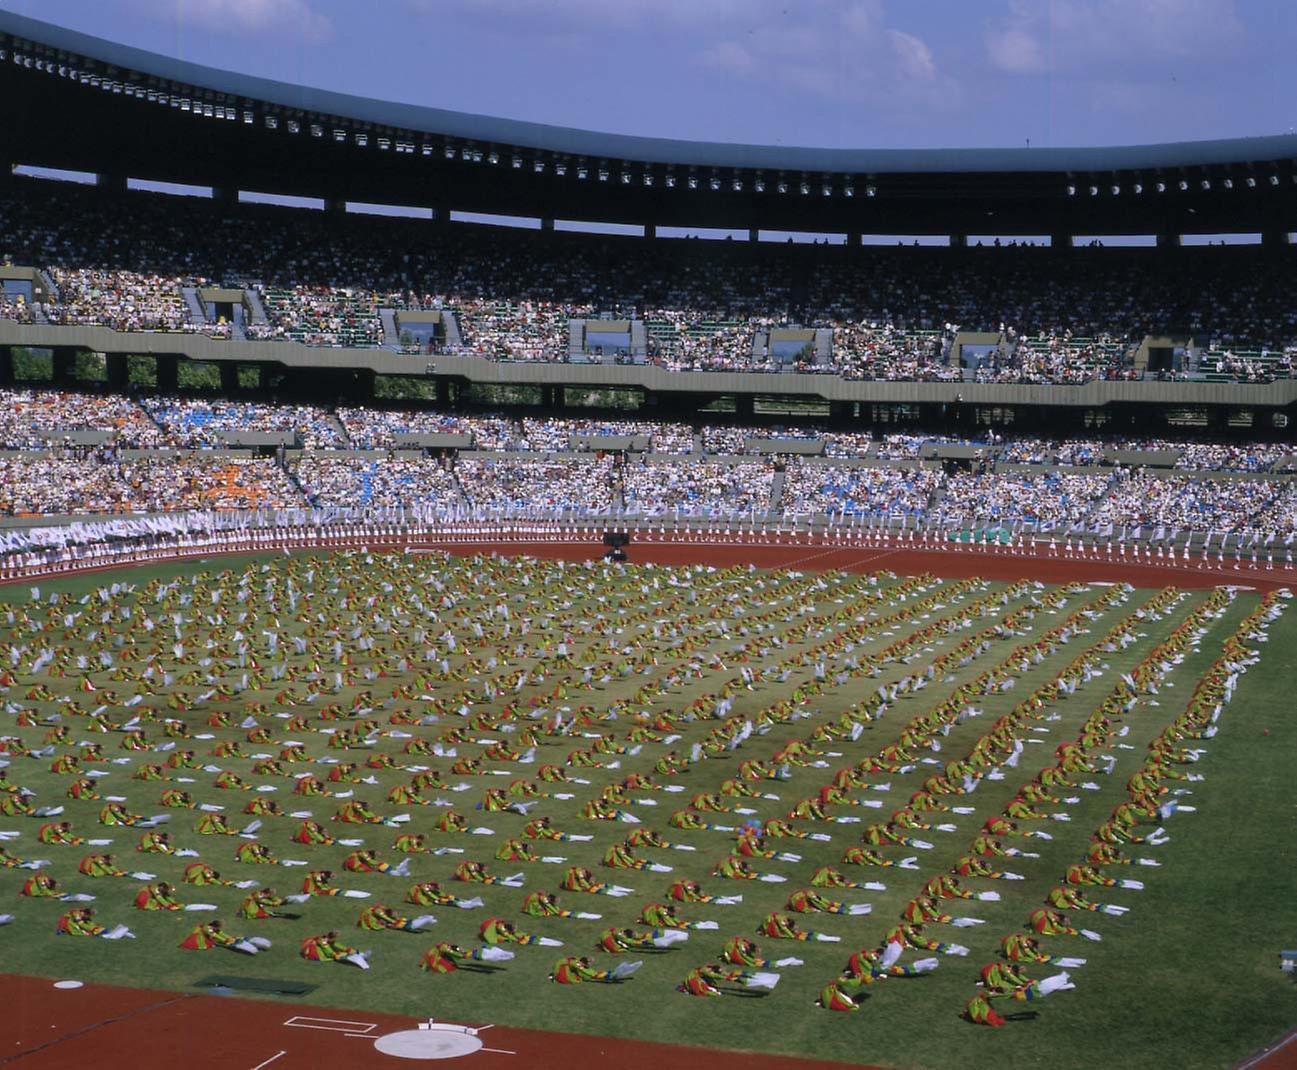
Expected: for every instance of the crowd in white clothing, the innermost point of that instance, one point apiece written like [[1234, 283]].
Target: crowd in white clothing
[[44, 485], [371, 483], [702, 488], [516, 483], [1185, 503], [1051, 498], [811, 489], [34, 419], [198, 422]]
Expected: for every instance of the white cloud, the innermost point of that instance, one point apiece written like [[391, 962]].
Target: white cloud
[[913, 57], [1015, 50], [601, 13], [847, 53], [1097, 35], [728, 56], [286, 18]]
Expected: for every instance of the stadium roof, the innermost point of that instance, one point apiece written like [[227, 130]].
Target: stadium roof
[[595, 144], [1234, 184]]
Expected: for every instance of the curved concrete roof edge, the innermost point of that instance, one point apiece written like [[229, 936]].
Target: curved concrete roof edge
[[624, 147]]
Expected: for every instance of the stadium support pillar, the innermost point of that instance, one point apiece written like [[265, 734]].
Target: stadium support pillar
[[1275, 238], [225, 196], [854, 240], [111, 183], [547, 225], [1168, 241], [65, 363], [118, 373], [754, 235], [650, 231], [551, 397], [229, 376], [335, 206], [744, 407], [168, 373], [440, 214], [959, 241], [443, 391], [6, 365], [1059, 242]]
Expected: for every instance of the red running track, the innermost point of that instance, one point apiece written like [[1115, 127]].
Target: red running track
[[102, 1026]]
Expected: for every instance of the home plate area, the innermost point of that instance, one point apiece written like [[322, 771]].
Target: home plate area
[[431, 1040]]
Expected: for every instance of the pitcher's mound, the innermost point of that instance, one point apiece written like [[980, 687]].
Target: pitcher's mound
[[450, 1042]]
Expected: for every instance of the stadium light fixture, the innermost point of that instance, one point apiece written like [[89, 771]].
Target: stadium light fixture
[[714, 183], [384, 144], [848, 191], [805, 188], [1116, 190], [582, 172], [1094, 191], [538, 167], [1251, 182], [693, 181], [361, 139], [1228, 183], [1274, 180], [317, 130], [603, 175], [826, 190], [647, 178], [625, 178], [671, 181], [1206, 184], [1071, 191], [1161, 187], [782, 187], [1184, 185], [493, 158], [1138, 188], [294, 127], [560, 169], [871, 191], [449, 152], [517, 163], [736, 185], [759, 184], [341, 135], [272, 123]]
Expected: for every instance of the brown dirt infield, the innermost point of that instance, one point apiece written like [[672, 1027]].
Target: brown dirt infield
[[45, 1028]]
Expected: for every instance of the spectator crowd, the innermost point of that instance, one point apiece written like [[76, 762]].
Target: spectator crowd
[[707, 306]]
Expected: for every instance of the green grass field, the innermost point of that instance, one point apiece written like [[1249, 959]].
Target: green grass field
[[1189, 977]]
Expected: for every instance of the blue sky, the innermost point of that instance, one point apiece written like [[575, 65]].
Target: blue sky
[[848, 73]]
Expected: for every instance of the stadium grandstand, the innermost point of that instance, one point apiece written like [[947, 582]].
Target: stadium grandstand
[[191, 381]]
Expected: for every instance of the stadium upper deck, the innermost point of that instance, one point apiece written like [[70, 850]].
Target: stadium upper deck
[[348, 300], [129, 113]]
